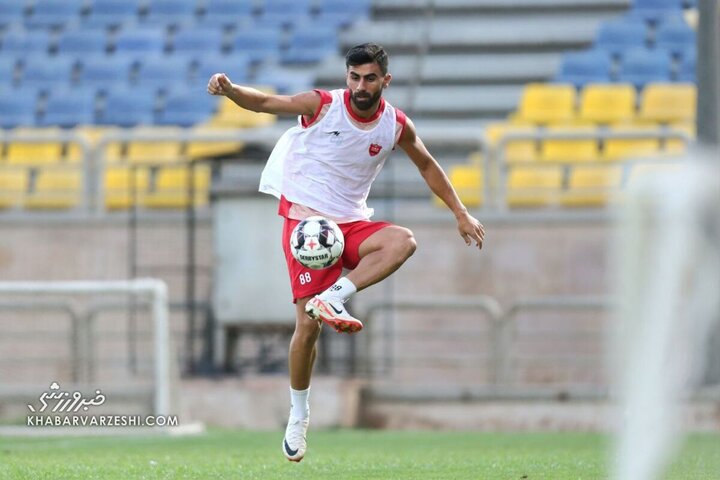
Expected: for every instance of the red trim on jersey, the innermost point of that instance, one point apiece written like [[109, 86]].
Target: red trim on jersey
[[325, 98], [357, 118], [401, 119]]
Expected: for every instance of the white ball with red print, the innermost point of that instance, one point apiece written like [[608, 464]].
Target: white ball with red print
[[317, 242]]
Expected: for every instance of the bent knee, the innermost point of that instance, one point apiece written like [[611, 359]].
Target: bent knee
[[405, 242]]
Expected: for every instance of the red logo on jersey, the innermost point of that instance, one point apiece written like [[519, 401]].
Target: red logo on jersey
[[374, 149]]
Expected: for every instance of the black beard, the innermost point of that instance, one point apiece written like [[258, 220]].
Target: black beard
[[367, 102]]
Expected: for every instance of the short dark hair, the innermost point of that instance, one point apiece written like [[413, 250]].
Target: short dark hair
[[367, 53]]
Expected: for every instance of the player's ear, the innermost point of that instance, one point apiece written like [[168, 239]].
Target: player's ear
[[386, 80]]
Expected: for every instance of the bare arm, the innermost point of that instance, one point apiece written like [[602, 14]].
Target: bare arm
[[468, 227], [305, 103]]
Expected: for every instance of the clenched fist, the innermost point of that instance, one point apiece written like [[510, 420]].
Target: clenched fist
[[219, 84]]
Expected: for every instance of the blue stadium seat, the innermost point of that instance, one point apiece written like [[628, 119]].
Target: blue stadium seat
[[69, 108], [686, 69], [54, 13], [104, 72], [26, 42], [581, 68], [170, 12], [258, 43], [128, 107], [11, 12], [654, 10], [8, 68], [198, 41], [310, 45], [163, 72], [342, 14], [285, 81], [236, 66], [675, 36], [286, 7], [146, 41], [619, 36], [46, 73], [226, 13], [17, 107], [187, 108], [640, 66], [82, 41], [111, 13]]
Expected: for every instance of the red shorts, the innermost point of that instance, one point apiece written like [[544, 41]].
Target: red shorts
[[306, 282]]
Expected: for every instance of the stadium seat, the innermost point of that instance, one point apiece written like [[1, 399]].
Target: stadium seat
[[170, 12], [110, 153], [112, 13], [668, 102], [198, 41], [55, 13], [163, 72], [676, 37], [18, 41], [468, 183], [515, 150], [547, 103], [18, 107], [286, 81], [105, 73], [13, 185], [570, 150], [536, 186], [8, 70], [618, 149], [172, 187], [34, 154], [284, 13], [654, 10], [154, 151], [258, 43], [310, 45], [641, 66], [235, 66], [591, 186], [608, 103], [69, 108], [82, 41], [47, 73], [593, 66], [140, 42], [674, 147], [226, 13], [342, 14], [128, 107], [618, 36], [686, 69], [204, 149], [56, 189], [187, 108], [124, 187], [11, 13]]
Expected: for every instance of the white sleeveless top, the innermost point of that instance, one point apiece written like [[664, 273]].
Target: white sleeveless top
[[330, 165]]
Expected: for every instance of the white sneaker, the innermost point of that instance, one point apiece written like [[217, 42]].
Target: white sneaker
[[294, 443], [332, 312]]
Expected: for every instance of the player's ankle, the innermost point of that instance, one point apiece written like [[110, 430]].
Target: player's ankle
[[341, 290]]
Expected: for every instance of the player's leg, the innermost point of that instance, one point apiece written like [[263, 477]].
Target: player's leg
[[381, 254], [303, 350]]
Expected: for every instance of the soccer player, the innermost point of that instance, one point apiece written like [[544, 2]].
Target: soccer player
[[325, 166]]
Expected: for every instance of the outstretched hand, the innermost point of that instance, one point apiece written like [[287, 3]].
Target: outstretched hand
[[471, 230], [219, 84]]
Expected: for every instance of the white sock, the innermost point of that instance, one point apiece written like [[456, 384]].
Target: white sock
[[300, 408], [342, 289]]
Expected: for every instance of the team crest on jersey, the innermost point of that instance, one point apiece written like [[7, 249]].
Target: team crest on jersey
[[374, 149]]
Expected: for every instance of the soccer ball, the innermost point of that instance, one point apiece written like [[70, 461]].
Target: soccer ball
[[317, 242]]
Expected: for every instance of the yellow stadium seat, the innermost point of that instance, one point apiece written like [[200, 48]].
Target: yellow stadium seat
[[172, 185], [121, 190], [26, 153], [608, 103], [92, 134], [628, 148], [536, 186], [668, 102], [570, 150], [13, 185], [229, 115], [204, 149], [468, 183], [544, 103], [56, 189], [592, 186], [154, 151], [515, 150]]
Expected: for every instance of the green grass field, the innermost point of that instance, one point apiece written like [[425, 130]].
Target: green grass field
[[337, 455]]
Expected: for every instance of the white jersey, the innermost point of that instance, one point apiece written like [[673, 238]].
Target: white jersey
[[329, 165]]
